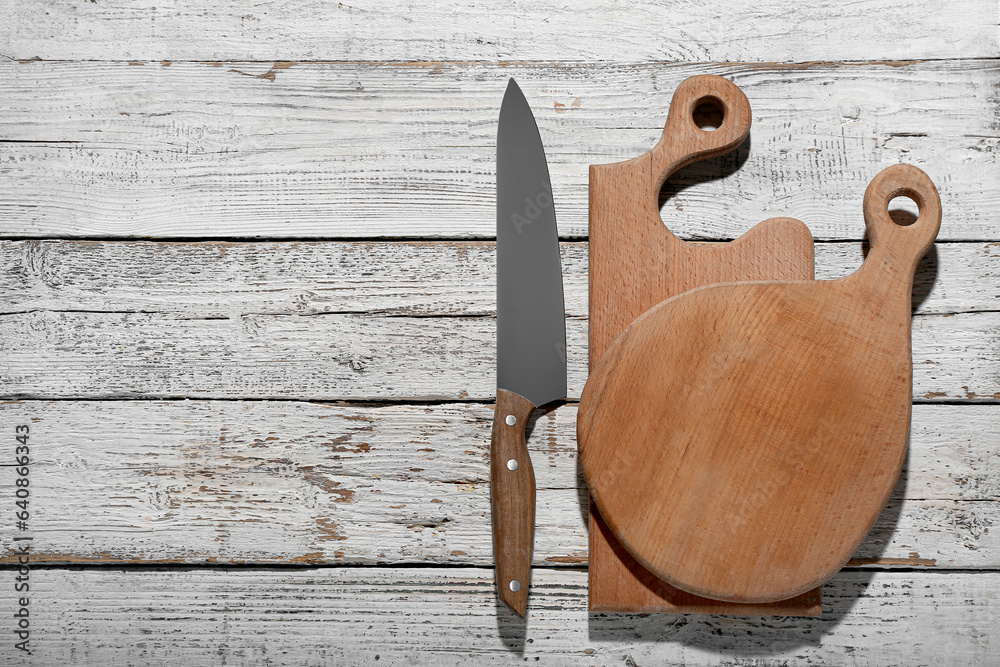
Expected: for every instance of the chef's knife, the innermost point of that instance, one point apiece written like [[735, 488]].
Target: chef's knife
[[531, 336]]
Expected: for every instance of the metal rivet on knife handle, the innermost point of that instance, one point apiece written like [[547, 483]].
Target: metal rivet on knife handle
[[512, 464], [511, 420]]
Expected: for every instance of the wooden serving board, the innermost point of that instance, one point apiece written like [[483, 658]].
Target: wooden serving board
[[740, 439], [635, 263]]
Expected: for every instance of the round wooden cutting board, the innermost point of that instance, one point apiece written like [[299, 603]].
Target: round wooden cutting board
[[740, 439]]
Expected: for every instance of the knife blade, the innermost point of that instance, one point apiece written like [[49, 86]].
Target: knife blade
[[531, 337]]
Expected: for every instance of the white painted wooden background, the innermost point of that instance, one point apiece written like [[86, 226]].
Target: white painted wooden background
[[246, 297]]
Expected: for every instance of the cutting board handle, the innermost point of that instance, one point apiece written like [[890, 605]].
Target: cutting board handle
[[683, 142], [900, 247]]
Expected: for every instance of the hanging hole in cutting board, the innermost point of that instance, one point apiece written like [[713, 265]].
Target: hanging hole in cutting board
[[903, 210], [709, 113]]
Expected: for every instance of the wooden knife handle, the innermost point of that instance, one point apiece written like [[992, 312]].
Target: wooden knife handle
[[512, 492]]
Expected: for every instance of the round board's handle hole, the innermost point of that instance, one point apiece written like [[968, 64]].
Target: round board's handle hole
[[709, 112], [904, 209]]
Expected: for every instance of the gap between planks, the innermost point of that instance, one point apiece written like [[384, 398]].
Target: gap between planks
[[284, 64], [563, 238], [182, 567]]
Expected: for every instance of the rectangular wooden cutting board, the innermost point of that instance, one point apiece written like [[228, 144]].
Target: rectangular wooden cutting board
[[636, 262]]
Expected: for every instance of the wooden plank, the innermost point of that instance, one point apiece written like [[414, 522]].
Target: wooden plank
[[454, 30], [223, 150], [222, 279], [337, 356], [287, 482], [450, 616]]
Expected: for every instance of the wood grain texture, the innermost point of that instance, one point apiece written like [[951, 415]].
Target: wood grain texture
[[761, 426], [282, 482], [401, 278], [352, 356], [637, 262], [617, 582], [512, 499], [207, 616], [407, 149], [455, 30]]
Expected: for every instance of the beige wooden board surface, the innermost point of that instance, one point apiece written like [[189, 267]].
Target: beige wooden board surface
[[280, 482], [329, 150], [456, 30], [449, 616]]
